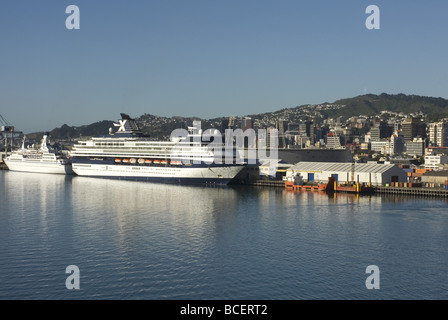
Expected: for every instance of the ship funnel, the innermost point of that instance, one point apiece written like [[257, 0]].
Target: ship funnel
[[44, 145]]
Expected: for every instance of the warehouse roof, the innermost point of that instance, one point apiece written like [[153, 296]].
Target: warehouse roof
[[341, 167], [436, 173]]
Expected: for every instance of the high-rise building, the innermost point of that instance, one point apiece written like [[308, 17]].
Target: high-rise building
[[281, 125], [227, 126], [392, 145], [381, 131], [438, 134], [293, 126], [413, 128], [333, 140], [305, 129], [415, 147], [247, 123]]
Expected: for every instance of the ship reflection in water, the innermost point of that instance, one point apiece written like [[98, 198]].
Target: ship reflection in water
[[131, 204], [28, 193], [142, 240]]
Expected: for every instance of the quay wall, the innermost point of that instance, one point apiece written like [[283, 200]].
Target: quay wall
[[427, 192], [415, 191]]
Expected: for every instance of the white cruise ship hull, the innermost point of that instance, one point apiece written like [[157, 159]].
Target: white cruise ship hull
[[212, 174], [130, 155], [38, 166]]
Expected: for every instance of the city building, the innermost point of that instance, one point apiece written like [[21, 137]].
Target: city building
[[433, 151], [227, 124], [333, 141], [435, 162], [281, 125], [413, 128], [438, 134], [275, 169], [293, 156], [367, 173], [392, 145], [305, 128], [382, 131], [438, 178], [416, 147], [247, 123], [293, 127]]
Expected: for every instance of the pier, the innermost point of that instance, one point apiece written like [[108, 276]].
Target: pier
[[413, 191], [426, 192], [266, 183]]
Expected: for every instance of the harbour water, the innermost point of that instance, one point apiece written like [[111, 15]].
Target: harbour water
[[139, 240]]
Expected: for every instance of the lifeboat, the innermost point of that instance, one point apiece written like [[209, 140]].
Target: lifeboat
[[148, 161], [141, 161], [176, 162], [125, 160], [117, 160], [163, 162], [132, 160], [156, 161]]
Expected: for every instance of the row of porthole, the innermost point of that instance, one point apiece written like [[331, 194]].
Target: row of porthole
[[148, 161]]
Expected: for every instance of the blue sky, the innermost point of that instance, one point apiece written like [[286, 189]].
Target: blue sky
[[210, 58]]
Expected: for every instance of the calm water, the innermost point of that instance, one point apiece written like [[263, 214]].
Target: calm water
[[133, 240]]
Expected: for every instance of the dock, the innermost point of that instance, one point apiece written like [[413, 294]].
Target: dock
[[415, 191], [394, 189], [267, 183]]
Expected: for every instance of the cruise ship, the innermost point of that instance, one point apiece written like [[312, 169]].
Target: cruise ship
[[42, 160], [129, 154]]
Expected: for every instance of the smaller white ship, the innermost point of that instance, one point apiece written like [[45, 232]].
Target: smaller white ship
[[42, 160]]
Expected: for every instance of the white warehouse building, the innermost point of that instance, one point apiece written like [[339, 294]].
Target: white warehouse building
[[374, 173]]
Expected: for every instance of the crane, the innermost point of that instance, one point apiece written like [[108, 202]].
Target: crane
[[7, 130], [4, 122]]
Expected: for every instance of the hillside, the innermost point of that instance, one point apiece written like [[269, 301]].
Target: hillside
[[368, 105], [372, 104], [66, 132]]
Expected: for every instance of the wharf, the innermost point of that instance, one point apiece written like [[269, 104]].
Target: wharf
[[415, 191], [427, 192], [266, 183]]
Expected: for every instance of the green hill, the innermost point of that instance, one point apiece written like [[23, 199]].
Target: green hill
[[371, 104], [368, 105]]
